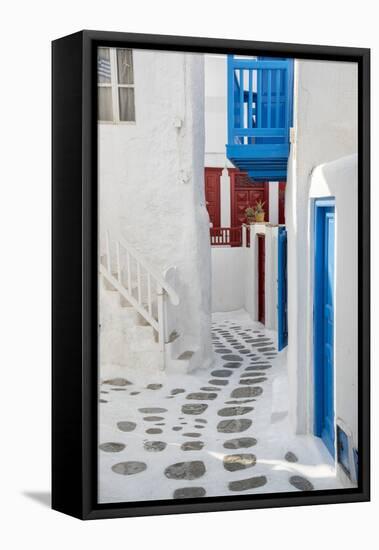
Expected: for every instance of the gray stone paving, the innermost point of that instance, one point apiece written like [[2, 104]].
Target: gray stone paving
[[189, 492], [234, 426], [153, 431], [194, 408], [129, 468], [152, 410], [291, 457], [232, 463], [301, 483], [154, 386], [221, 373], [246, 391], [185, 470], [240, 443], [234, 411], [192, 446], [239, 379], [246, 484], [117, 382], [175, 391], [219, 382], [155, 446], [126, 426], [202, 396], [112, 447]]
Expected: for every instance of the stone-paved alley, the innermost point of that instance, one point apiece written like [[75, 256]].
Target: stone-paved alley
[[220, 431]]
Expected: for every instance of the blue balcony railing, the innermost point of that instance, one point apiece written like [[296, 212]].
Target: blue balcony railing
[[260, 97]]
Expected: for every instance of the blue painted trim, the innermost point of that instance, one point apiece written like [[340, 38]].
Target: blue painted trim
[[262, 63], [260, 134], [356, 462], [275, 152], [323, 391], [343, 450], [324, 202], [230, 101], [282, 289]]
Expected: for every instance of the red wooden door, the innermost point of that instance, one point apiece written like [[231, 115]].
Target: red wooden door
[[212, 194], [281, 198], [261, 278], [245, 192]]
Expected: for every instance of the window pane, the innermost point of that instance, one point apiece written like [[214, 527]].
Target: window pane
[[103, 66], [126, 99], [104, 104], [125, 66]]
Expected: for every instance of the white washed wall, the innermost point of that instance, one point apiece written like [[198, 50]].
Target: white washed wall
[[151, 184], [235, 276], [325, 125], [216, 111], [228, 278], [339, 179]]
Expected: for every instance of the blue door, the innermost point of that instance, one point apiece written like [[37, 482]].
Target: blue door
[[282, 289], [324, 322]]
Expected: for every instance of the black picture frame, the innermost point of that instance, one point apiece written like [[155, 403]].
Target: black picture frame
[[74, 272]]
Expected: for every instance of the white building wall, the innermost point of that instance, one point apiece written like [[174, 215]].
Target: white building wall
[[216, 122], [273, 202], [325, 127], [151, 182], [251, 278], [235, 276], [216, 119], [228, 278], [271, 276], [225, 199], [339, 179]]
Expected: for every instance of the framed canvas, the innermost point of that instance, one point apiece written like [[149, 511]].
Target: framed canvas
[[211, 234]]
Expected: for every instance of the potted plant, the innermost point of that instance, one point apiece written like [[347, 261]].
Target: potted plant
[[250, 214], [259, 211]]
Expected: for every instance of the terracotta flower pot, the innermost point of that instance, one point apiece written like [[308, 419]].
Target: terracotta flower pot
[[250, 219], [260, 217]]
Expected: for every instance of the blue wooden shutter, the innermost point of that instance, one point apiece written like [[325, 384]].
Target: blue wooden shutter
[[282, 289]]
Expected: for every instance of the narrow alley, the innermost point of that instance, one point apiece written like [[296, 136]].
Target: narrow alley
[[222, 431]]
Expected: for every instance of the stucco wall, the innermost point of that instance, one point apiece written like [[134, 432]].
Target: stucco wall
[[339, 179], [271, 293], [235, 276], [273, 202], [151, 184], [228, 278], [325, 128], [216, 111]]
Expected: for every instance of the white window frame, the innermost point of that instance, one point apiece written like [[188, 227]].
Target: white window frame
[[114, 85]]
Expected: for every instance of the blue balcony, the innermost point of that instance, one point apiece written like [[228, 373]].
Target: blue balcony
[[260, 97]]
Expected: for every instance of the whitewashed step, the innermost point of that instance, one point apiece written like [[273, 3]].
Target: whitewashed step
[[112, 299], [174, 344], [142, 339], [183, 363], [127, 339], [114, 302]]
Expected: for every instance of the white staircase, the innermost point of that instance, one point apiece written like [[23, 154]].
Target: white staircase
[[138, 312]]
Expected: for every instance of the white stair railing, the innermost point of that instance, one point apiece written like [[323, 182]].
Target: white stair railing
[[140, 284]]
